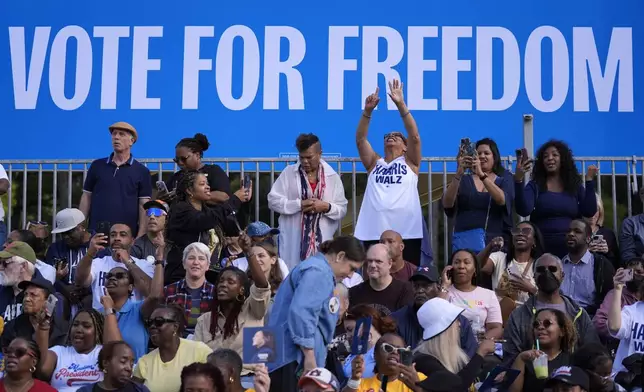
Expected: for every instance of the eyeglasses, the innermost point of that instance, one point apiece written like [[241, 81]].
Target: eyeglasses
[[5, 263], [116, 275], [159, 322], [154, 212], [181, 159], [542, 268], [546, 323], [521, 230], [18, 352], [390, 349]]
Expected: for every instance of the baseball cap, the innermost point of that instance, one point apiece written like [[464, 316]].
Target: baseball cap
[[441, 381], [571, 375], [38, 282], [425, 273], [436, 315], [20, 249], [126, 127], [157, 204], [67, 220], [260, 229], [322, 377]]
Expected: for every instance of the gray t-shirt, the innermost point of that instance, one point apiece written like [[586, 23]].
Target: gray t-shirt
[[143, 248]]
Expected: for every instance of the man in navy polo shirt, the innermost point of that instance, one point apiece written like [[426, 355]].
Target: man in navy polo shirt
[[116, 187]]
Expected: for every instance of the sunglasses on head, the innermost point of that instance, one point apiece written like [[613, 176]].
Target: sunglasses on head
[[154, 212], [390, 349], [521, 230], [116, 275], [181, 159], [546, 323], [159, 322], [17, 352], [542, 268]]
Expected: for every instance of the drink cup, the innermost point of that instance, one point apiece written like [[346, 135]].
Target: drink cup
[[541, 366]]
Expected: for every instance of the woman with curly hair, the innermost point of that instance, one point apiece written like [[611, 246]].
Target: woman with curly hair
[[192, 219], [555, 195], [555, 336]]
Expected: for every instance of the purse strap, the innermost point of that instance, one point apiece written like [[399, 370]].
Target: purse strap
[[487, 216]]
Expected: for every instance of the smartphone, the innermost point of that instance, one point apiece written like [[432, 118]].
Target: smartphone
[[597, 238], [247, 181], [450, 274], [406, 357], [50, 305], [519, 154], [162, 187], [60, 263], [628, 276], [103, 228]]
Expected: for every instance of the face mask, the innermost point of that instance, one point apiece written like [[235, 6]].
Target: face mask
[[634, 285], [547, 282]]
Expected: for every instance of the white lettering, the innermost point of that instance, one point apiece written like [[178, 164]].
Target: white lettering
[[274, 67], [193, 63], [110, 68], [452, 66], [26, 89], [586, 59], [417, 65], [371, 66], [560, 69], [142, 64], [485, 100], [83, 69], [338, 64], [224, 68]]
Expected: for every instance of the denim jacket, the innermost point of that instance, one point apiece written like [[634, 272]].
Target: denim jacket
[[307, 310]]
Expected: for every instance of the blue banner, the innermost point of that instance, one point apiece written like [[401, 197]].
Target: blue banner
[[254, 76]]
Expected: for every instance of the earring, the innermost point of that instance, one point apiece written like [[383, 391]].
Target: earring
[[231, 379], [240, 297], [174, 333], [105, 371], [32, 369]]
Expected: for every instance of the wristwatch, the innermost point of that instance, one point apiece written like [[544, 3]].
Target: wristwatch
[[159, 262], [109, 311]]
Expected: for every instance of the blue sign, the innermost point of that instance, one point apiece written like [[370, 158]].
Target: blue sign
[[252, 76]]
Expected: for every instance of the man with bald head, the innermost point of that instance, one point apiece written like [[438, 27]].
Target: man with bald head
[[548, 274], [400, 269], [381, 290]]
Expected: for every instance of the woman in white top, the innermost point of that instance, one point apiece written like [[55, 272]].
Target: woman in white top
[[481, 305], [72, 366], [513, 272], [391, 200]]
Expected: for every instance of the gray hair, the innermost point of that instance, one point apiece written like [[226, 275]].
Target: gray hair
[[198, 247], [548, 256], [342, 290]]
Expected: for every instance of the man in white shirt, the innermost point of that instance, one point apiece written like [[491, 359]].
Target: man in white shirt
[[91, 271], [310, 187], [4, 187]]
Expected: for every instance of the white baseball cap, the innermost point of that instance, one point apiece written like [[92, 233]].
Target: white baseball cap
[[436, 315], [322, 378], [67, 220]]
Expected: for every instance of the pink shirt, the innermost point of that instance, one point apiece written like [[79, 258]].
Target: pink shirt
[[481, 305]]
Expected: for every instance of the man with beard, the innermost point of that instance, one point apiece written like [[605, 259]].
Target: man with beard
[[92, 271], [630, 295], [425, 287], [548, 274], [17, 264], [69, 225], [588, 276]]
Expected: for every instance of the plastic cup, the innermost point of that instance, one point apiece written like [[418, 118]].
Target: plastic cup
[[541, 366]]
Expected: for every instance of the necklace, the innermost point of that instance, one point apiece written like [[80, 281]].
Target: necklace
[[24, 388]]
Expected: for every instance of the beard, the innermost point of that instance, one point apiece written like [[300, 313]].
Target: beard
[[6, 280]]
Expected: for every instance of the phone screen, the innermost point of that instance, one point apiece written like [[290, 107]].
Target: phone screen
[[50, 305], [628, 276]]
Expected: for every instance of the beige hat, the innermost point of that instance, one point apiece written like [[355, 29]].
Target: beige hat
[[126, 127]]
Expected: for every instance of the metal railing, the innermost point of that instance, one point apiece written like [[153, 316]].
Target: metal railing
[[58, 185]]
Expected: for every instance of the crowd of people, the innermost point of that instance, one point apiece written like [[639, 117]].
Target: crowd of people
[[145, 288]]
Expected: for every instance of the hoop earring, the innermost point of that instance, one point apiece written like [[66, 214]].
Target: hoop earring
[[240, 297], [32, 369]]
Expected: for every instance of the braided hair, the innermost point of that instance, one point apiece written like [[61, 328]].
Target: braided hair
[[97, 319], [231, 327], [197, 144], [185, 183]]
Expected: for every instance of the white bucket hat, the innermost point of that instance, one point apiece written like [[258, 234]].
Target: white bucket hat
[[67, 220], [436, 315]]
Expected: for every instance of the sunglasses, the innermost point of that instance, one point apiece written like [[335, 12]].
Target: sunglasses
[[181, 159], [523, 230], [18, 352], [390, 349], [546, 324], [394, 135], [159, 322], [542, 268], [116, 275], [5, 263], [154, 212]]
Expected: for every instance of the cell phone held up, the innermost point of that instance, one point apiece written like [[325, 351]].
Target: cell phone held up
[[627, 276], [247, 181], [103, 228], [50, 305]]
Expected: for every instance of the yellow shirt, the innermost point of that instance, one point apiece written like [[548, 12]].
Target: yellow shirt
[[162, 376], [250, 390], [373, 384]]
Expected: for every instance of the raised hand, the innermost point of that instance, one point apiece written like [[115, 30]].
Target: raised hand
[[372, 101], [396, 92], [591, 172], [97, 244]]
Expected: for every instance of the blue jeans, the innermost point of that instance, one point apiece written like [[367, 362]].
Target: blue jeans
[[3, 234]]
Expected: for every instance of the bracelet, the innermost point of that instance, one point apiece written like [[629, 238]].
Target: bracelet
[[403, 115], [353, 384], [483, 177], [365, 115]]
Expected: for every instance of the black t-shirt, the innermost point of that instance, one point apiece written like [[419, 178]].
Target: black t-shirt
[[217, 179], [530, 381], [394, 297]]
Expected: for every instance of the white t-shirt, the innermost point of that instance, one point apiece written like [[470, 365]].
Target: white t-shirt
[[100, 267], [3, 176], [481, 306], [501, 273], [242, 264], [631, 334], [74, 370], [47, 271]]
